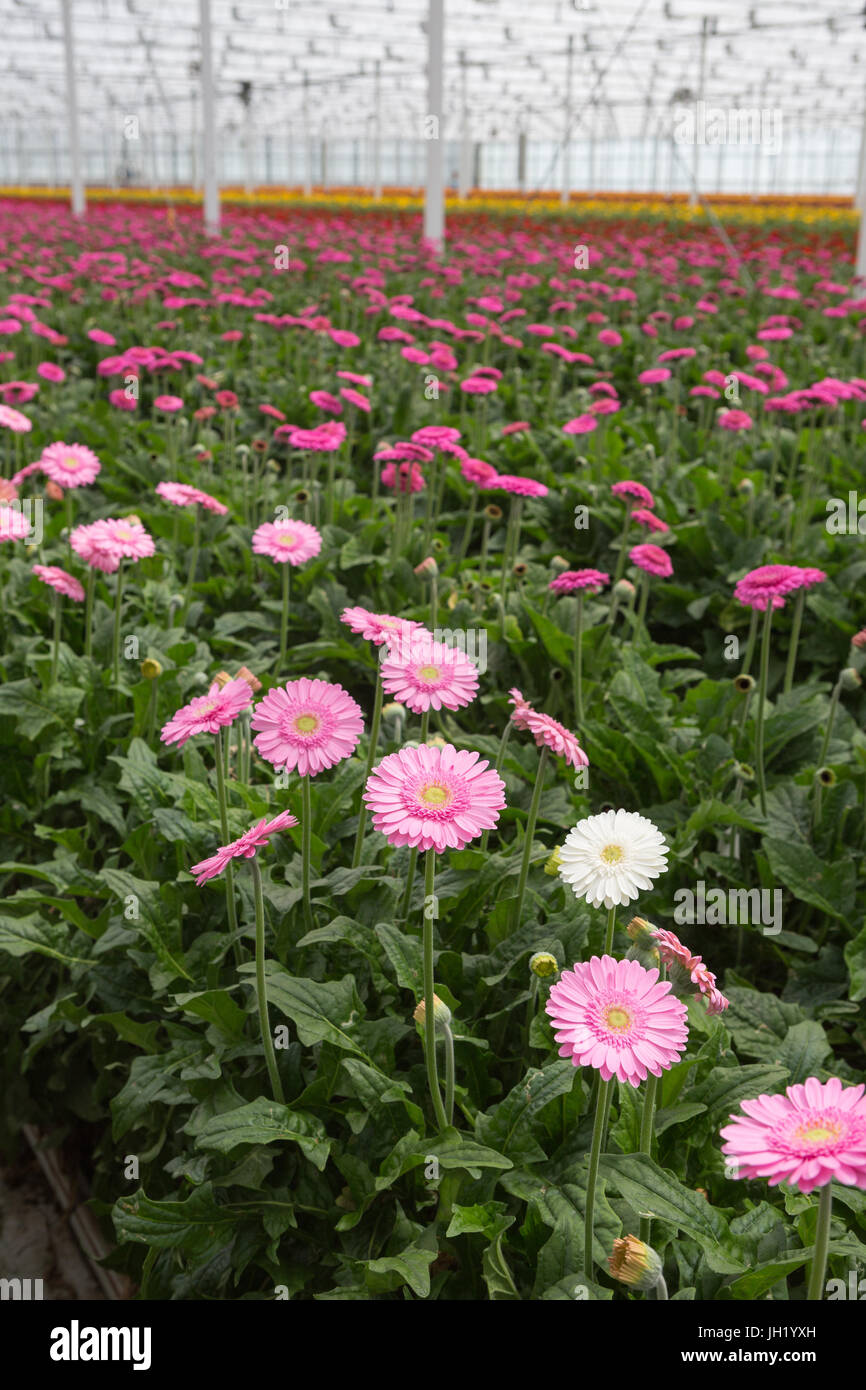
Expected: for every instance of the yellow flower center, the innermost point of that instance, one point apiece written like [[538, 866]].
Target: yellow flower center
[[285, 540], [307, 723], [435, 794], [818, 1134], [613, 854], [618, 1018], [124, 534], [70, 462], [429, 673]]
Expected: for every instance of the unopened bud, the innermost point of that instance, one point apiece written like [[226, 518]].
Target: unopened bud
[[441, 1012], [543, 964], [221, 678], [826, 777], [54, 491], [744, 683], [428, 566], [150, 668], [623, 588], [245, 674], [634, 1263], [849, 679], [553, 863]]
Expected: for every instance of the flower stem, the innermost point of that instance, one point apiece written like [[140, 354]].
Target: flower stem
[[449, 1074], [88, 612], [193, 563], [750, 643], [261, 991], [224, 827], [608, 936], [429, 1013], [646, 1139], [306, 844], [284, 621], [527, 843], [578, 661], [500, 758], [371, 758], [598, 1127], [118, 604], [831, 719], [759, 715], [794, 641], [822, 1242], [55, 654]]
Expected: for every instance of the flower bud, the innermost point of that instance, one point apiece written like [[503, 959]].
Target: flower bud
[[221, 678], [826, 777], [54, 491], [245, 674], [744, 683], [746, 487], [441, 1012], [559, 563], [635, 1264], [492, 512], [428, 566], [744, 771], [859, 639], [849, 679], [150, 668], [543, 964], [623, 588]]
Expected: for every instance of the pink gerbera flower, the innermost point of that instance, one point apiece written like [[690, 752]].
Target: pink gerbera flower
[[289, 541], [93, 544], [61, 581], [307, 725], [572, 581], [379, 627], [581, 424], [629, 488], [520, 487], [652, 559], [13, 420], [14, 525], [808, 578], [207, 714], [69, 465], [644, 517], [735, 420], [408, 478], [547, 732], [618, 1017], [812, 1135], [253, 839], [434, 798], [168, 404], [129, 538], [425, 674], [768, 584], [182, 495]]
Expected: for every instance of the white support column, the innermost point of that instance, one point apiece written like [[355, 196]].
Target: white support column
[[434, 193], [249, 150], [76, 180], [464, 175], [208, 121], [860, 203], [566, 134], [377, 131], [308, 142], [700, 108]]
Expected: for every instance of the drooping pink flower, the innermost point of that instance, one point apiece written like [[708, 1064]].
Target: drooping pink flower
[[207, 714], [675, 955], [287, 541], [547, 732], [573, 581], [629, 488], [253, 839], [182, 495], [618, 1017], [652, 559], [379, 627], [69, 465], [434, 798], [60, 580], [814, 1134], [644, 517], [768, 584], [307, 725], [425, 674]]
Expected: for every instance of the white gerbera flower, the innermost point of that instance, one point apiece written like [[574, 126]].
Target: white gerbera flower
[[608, 859]]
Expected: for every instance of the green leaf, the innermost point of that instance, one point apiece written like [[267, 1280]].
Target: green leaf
[[508, 1125], [264, 1121], [804, 1051], [34, 709], [855, 959], [215, 1006], [321, 1012], [829, 887], [193, 1225], [404, 953], [658, 1193], [724, 1088], [411, 1266], [21, 936]]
